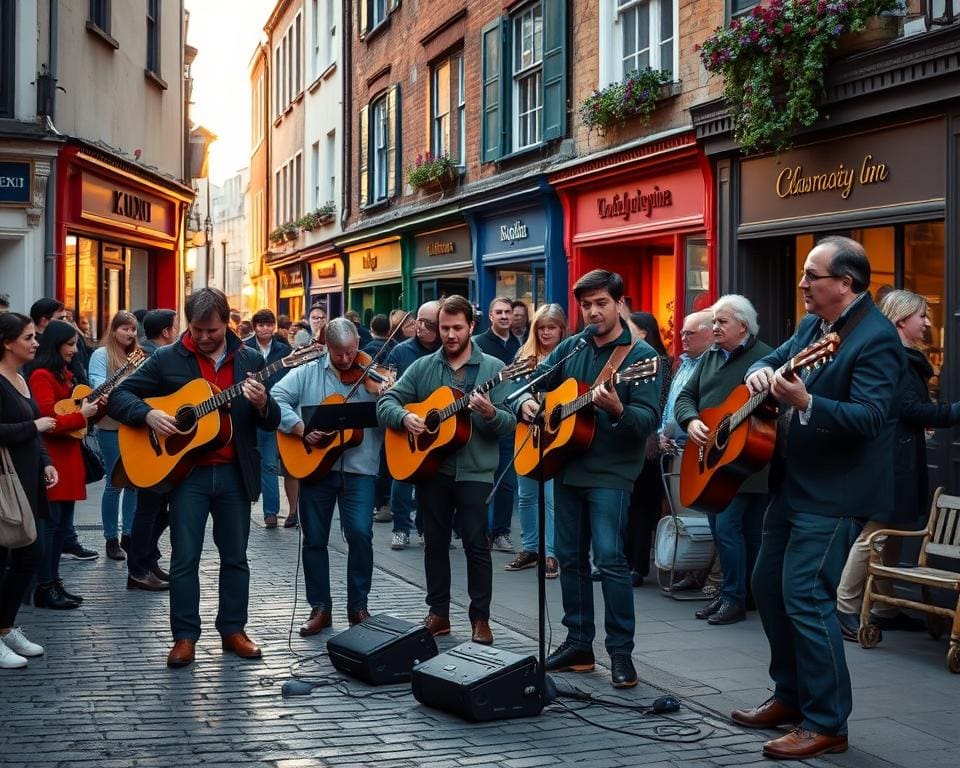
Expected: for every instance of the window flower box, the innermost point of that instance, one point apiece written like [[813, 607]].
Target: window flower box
[[634, 98]]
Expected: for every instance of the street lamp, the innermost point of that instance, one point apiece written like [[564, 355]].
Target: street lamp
[[208, 235], [223, 244]]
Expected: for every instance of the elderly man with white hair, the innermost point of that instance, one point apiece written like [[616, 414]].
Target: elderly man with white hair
[[736, 530]]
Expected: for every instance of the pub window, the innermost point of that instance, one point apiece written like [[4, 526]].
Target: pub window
[[448, 106], [153, 36], [100, 14], [644, 35], [379, 148], [8, 48]]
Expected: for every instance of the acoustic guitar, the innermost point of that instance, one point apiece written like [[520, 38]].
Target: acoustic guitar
[[568, 421], [741, 439], [448, 427], [303, 460], [153, 461], [83, 393]]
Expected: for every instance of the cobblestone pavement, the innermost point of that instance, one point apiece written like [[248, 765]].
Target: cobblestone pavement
[[103, 696]]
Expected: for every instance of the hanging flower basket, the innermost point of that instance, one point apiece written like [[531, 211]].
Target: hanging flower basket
[[432, 174]]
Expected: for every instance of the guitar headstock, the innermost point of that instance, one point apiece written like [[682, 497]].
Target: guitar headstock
[[640, 372], [815, 355], [136, 357], [519, 368], [312, 350]]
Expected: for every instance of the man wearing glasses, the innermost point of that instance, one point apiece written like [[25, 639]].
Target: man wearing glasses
[[425, 341], [837, 442]]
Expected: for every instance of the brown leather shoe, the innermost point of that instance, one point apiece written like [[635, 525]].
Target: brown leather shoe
[[150, 583], [270, 521], [182, 653], [438, 625], [319, 620], [358, 617], [800, 744], [770, 714], [291, 520], [241, 645], [481, 632]]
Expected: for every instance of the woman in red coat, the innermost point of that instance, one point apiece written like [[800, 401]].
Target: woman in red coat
[[50, 380]]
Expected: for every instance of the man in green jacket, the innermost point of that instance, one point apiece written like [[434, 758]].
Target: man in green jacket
[[465, 478], [736, 530], [591, 494]]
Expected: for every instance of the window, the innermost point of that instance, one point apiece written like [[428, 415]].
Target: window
[[315, 173], [738, 7], [277, 80], [448, 109], [524, 79], [331, 36], [372, 13], [378, 12], [297, 195], [646, 35], [153, 36], [8, 69], [379, 148], [100, 14], [331, 173], [288, 66], [315, 67], [257, 110]]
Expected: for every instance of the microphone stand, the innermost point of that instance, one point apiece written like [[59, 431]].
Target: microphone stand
[[545, 684]]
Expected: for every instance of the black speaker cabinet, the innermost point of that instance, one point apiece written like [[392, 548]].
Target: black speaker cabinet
[[478, 682], [381, 650]]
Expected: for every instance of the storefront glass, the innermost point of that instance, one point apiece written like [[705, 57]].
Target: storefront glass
[[521, 285]]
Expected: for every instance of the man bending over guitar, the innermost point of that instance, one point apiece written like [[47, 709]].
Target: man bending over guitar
[[591, 494], [225, 480], [465, 477]]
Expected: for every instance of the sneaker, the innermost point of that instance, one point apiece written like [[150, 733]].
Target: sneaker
[[399, 540], [383, 514], [78, 552], [10, 659], [501, 543], [521, 561], [17, 642]]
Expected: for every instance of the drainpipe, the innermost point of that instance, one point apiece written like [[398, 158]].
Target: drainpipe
[[346, 88], [50, 205]]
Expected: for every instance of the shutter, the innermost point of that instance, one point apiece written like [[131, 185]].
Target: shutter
[[363, 17], [491, 127], [394, 174], [554, 69], [363, 163]]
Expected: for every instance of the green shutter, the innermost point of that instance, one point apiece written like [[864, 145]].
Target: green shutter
[[491, 126], [393, 141], [554, 69], [363, 163]]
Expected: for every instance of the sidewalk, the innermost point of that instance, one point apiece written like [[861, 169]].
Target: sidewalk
[[102, 695]]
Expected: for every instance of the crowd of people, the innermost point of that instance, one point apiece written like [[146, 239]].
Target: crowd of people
[[791, 544]]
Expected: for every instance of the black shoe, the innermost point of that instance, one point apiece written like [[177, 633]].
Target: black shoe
[[522, 561], [48, 596], [160, 573], [636, 579], [569, 659], [125, 543], [729, 612], [113, 550], [901, 621], [622, 672], [63, 591], [709, 609], [78, 552], [849, 626]]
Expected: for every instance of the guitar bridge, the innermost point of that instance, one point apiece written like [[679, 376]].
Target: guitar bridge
[[155, 442]]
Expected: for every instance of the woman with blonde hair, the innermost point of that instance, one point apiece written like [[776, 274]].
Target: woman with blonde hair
[[908, 312], [549, 327], [120, 341]]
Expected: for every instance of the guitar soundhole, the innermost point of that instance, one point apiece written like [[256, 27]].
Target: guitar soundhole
[[723, 434], [186, 419], [425, 440], [432, 421], [556, 417]]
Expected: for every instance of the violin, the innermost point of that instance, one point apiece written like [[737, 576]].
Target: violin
[[363, 368]]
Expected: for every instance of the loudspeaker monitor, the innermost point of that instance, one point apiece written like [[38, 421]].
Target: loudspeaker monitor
[[381, 650], [479, 682]]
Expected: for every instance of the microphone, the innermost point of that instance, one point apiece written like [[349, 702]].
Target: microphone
[[536, 382], [590, 330]]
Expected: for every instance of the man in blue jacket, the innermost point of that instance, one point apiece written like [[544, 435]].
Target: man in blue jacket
[[271, 349], [835, 447]]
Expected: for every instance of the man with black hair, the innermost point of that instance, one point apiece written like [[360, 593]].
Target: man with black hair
[[44, 310], [379, 331], [592, 493], [520, 320], [4, 302], [225, 480]]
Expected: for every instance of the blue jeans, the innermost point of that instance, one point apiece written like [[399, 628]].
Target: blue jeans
[[501, 510], [269, 471], [215, 491], [110, 501], [55, 531], [737, 531], [597, 515], [353, 494], [795, 585], [529, 492], [402, 504]]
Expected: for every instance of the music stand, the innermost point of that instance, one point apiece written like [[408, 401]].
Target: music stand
[[339, 417]]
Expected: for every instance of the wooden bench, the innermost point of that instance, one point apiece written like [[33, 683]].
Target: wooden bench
[[941, 538]]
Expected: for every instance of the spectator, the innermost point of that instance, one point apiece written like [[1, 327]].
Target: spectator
[[354, 317], [520, 320], [379, 331], [4, 303]]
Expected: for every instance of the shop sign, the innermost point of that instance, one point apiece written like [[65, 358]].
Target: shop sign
[[381, 262], [441, 248], [323, 270], [104, 201], [859, 172], [628, 203], [524, 230], [131, 206], [290, 278], [15, 182], [370, 261], [510, 233]]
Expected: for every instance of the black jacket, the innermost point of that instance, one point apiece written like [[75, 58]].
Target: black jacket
[[169, 368], [917, 413], [505, 351]]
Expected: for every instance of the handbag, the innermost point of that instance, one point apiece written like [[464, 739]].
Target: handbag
[[17, 526], [92, 463]]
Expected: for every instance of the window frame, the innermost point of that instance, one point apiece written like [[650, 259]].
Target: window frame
[[527, 72], [153, 36], [612, 68], [8, 66], [378, 155], [100, 14]]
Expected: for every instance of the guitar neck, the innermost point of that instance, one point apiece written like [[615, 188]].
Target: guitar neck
[[462, 402], [743, 412], [109, 384], [224, 396], [586, 398]]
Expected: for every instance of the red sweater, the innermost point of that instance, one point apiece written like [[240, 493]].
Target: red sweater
[[64, 450], [221, 378]]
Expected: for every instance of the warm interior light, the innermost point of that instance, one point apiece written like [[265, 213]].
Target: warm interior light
[[191, 260], [71, 241]]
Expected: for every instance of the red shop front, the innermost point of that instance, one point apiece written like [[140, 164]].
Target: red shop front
[[646, 213], [119, 236]]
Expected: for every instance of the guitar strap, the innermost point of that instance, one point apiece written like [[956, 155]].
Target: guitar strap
[[613, 364]]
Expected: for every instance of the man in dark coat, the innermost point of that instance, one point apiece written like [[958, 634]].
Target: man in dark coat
[[840, 424], [224, 482]]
